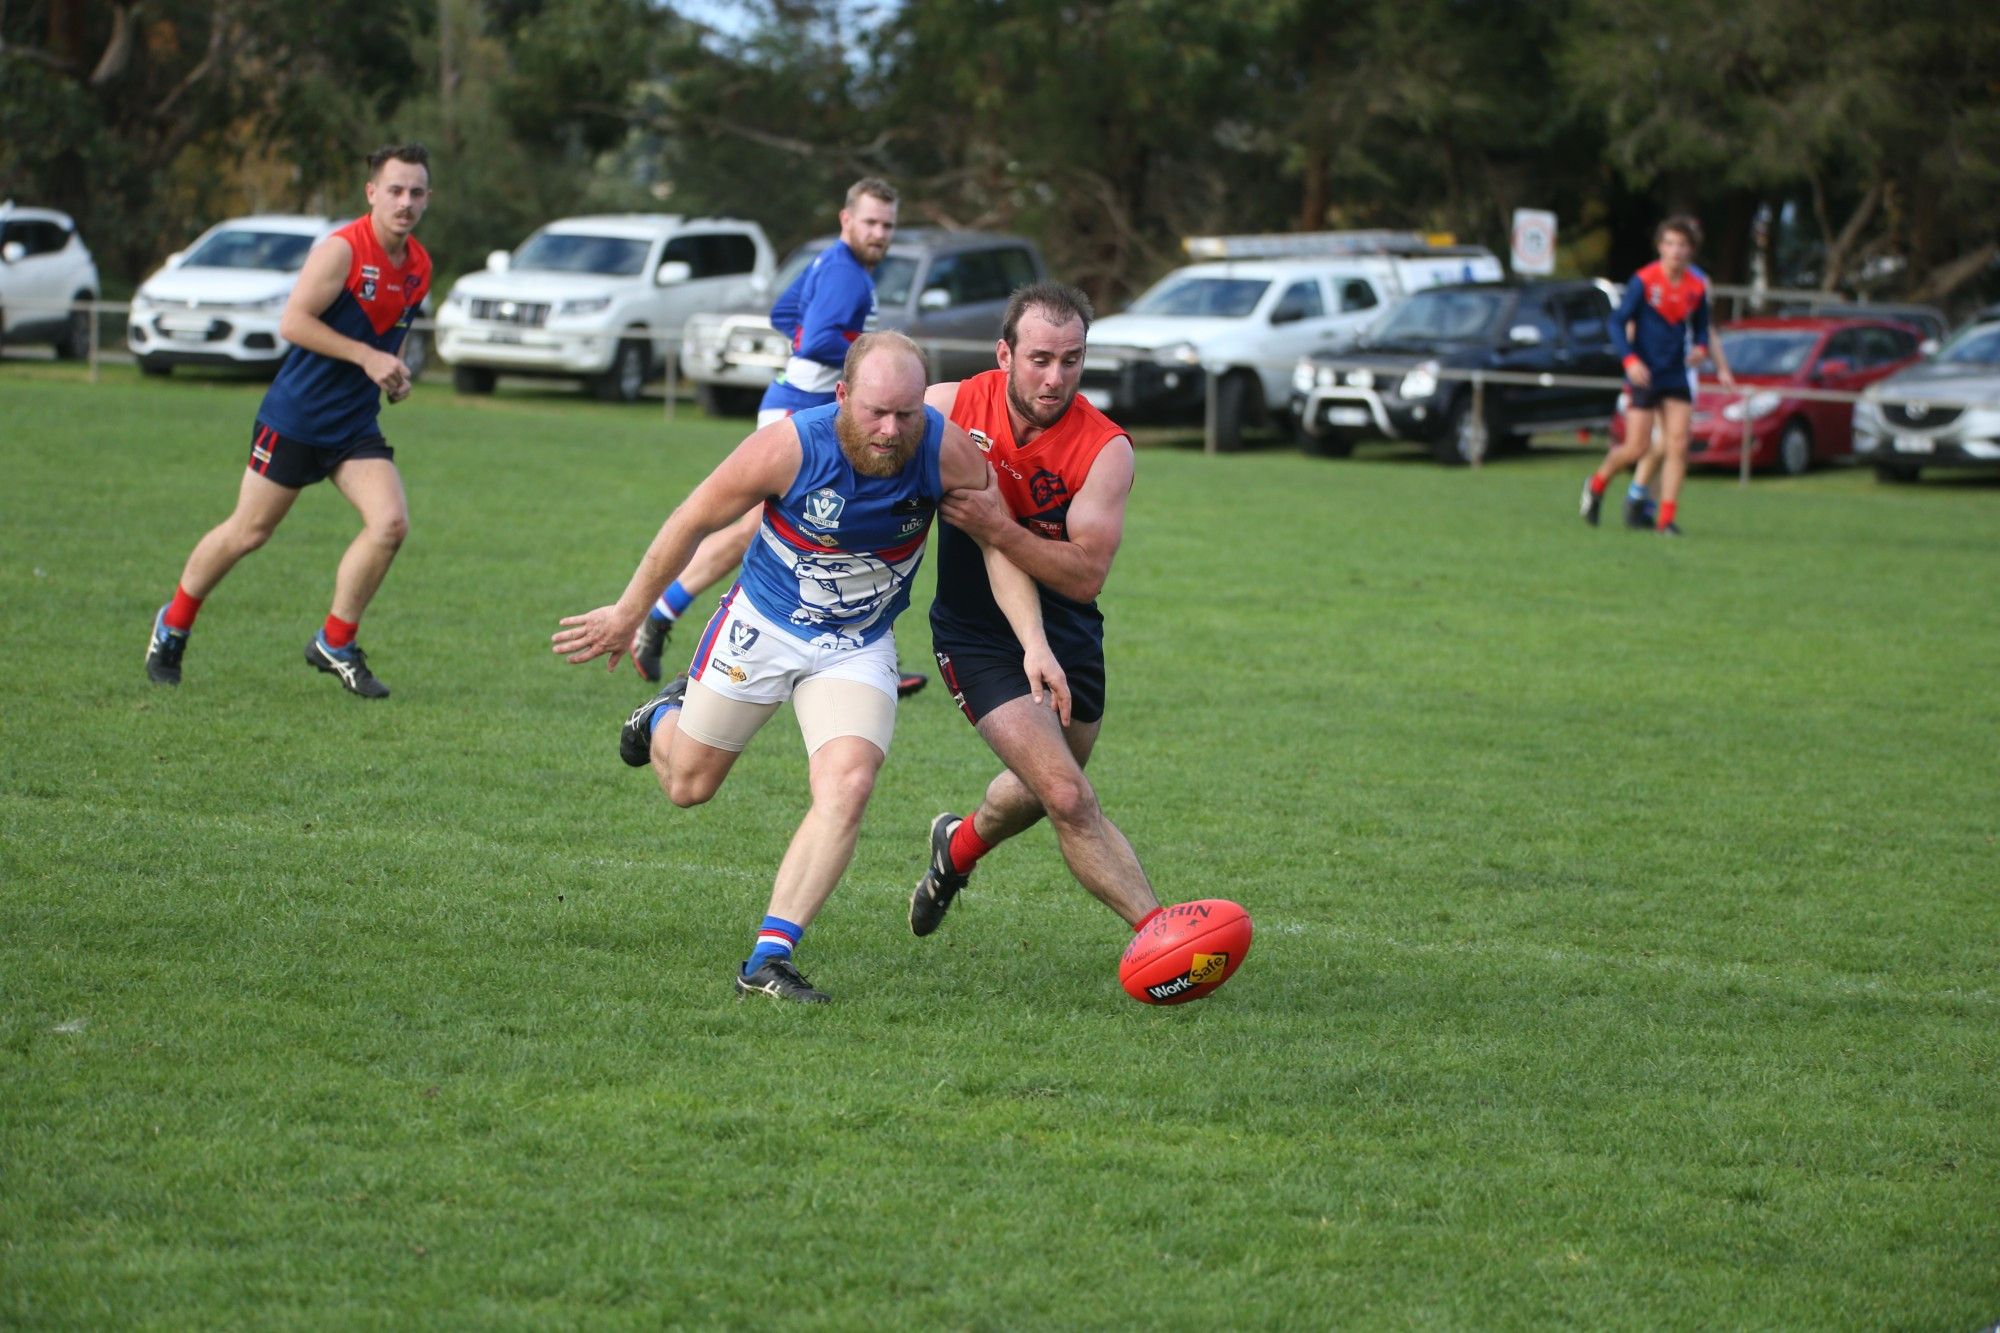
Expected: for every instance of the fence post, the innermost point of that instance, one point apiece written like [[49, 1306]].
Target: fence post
[[1478, 455], [93, 342], [1749, 439], [673, 376], [1211, 412]]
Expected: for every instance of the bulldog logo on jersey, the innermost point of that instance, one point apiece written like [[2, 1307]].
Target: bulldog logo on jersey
[[824, 507]]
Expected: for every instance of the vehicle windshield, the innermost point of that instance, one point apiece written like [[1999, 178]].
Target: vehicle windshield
[[567, 252], [1978, 345], [1442, 316], [279, 251], [795, 264], [1223, 298], [893, 277], [1767, 351]]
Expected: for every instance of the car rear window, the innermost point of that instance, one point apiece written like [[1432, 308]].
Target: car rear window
[[1767, 351]]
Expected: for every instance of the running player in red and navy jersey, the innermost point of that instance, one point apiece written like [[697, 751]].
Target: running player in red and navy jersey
[[1666, 310], [1057, 513], [346, 320]]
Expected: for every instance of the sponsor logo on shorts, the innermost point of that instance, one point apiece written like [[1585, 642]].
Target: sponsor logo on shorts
[[737, 675], [741, 636], [824, 507], [261, 452]]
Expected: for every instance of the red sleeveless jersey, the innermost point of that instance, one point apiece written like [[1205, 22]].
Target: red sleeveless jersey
[[1038, 482]]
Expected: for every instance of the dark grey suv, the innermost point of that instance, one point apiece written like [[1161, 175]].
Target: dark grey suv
[[937, 286]]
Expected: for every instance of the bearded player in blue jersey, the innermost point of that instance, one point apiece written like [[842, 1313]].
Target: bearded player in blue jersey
[[346, 321], [845, 496], [828, 306]]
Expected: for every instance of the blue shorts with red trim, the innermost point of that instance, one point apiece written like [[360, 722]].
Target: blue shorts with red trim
[[981, 681], [296, 465]]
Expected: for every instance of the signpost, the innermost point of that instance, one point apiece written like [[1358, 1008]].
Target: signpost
[[1534, 243]]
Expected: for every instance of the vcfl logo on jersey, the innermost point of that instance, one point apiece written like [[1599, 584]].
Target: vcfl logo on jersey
[[824, 508], [370, 275]]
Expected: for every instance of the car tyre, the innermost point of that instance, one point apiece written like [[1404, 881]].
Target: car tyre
[[1795, 449], [155, 368], [1454, 448], [1236, 397], [626, 380], [472, 380], [74, 345], [727, 400], [416, 354], [1896, 474], [1334, 444]]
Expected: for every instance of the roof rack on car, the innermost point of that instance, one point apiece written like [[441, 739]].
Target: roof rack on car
[[1298, 244]]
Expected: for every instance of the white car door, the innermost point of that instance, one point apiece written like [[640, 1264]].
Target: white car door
[[38, 276]]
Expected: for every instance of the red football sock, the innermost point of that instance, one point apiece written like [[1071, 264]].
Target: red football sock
[[967, 846], [340, 633], [1140, 924], [1667, 511], [1597, 484], [181, 611]]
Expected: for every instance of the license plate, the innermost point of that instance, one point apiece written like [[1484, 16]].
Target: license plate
[[1346, 416], [1097, 398], [503, 336], [1915, 444], [185, 325]]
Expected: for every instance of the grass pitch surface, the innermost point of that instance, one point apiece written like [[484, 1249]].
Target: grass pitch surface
[[1627, 947]]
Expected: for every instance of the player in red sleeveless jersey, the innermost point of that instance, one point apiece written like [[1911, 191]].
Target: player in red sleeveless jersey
[[1058, 512], [346, 321]]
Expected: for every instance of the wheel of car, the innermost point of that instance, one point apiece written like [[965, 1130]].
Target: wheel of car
[[1795, 449], [1333, 445], [472, 379], [74, 345], [153, 366], [416, 353], [1896, 473], [626, 379], [727, 400], [1459, 443], [1236, 395]]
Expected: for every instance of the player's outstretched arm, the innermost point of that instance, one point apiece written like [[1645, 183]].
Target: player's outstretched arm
[[764, 464], [962, 469], [320, 284], [1075, 568]]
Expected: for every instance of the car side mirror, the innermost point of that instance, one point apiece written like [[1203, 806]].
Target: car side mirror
[[760, 285], [499, 261], [934, 298], [1928, 347], [1288, 314], [1525, 335], [673, 272], [174, 259], [1837, 366], [13, 252]]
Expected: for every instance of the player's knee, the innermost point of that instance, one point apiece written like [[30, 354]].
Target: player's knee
[[390, 531], [247, 537], [846, 790], [683, 791], [1069, 801]]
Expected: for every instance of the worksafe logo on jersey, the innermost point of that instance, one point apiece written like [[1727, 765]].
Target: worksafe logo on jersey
[[982, 439], [824, 508]]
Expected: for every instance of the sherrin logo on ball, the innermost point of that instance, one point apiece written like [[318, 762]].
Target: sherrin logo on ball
[[1185, 952]]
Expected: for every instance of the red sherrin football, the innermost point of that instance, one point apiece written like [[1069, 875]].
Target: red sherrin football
[[1185, 952]]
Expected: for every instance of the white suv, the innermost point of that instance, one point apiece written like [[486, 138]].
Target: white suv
[[218, 302], [45, 270], [1247, 320], [601, 298]]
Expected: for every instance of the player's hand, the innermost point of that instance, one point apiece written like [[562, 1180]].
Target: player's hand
[[594, 634], [388, 372], [1046, 680], [1640, 377], [398, 394], [1725, 379], [981, 514]]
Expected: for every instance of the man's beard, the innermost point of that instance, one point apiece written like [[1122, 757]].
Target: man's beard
[[854, 443], [1032, 412]]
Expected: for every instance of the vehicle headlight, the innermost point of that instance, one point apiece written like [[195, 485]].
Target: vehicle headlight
[[1303, 375], [1755, 407], [588, 305], [1186, 354], [141, 303], [1421, 382], [269, 303]]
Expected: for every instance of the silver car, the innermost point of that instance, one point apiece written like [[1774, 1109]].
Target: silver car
[[1943, 412]]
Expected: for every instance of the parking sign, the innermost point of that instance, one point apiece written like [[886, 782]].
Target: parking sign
[[1534, 245]]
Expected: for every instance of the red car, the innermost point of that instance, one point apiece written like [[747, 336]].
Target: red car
[[1777, 356]]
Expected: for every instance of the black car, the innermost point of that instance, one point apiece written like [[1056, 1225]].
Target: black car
[[1560, 329]]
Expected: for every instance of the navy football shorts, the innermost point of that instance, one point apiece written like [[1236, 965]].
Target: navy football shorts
[[296, 465], [981, 680]]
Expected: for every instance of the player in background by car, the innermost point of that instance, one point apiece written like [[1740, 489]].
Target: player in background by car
[[1062, 471], [849, 492], [1666, 308], [828, 306], [346, 320], [1640, 511]]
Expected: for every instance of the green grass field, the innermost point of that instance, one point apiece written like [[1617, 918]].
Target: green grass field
[[1628, 949]]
